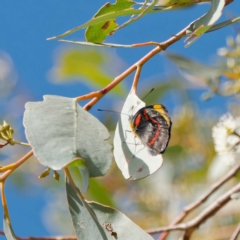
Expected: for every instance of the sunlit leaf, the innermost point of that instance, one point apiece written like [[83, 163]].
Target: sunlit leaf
[[203, 24], [98, 33], [121, 8], [107, 13], [89, 66], [94, 221], [131, 156], [223, 24], [8, 231], [60, 131], [80, 174]]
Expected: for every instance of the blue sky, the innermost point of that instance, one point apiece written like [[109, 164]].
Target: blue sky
[[24, 27]]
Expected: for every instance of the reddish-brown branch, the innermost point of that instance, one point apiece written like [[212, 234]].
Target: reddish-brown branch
[[236, 233], [136, 78], [11, 167], [192, 225], [161, 47], [202, 199], [45, 238]]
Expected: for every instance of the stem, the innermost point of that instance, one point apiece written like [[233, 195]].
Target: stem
[[192, 225], [4, 204], [136, 78], [20, 143], [161, 47], [202, 199], [236, 233], [45, 238], [11, 167]]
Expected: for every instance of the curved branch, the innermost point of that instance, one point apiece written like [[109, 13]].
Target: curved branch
[[161, 47], [191, 226], [236, 233], [202, 199]]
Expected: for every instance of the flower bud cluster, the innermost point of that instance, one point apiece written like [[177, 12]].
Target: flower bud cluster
[[6, 133]]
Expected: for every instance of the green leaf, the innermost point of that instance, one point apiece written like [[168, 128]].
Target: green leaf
[[198, 27], [132, 158], [105, 14], [60, 131], [87, 65], [195, 68], [94, 221], [80, 174], [97, 33], [223, 24], [7, 229]]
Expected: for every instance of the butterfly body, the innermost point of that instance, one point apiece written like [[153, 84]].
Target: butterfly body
[[153, 126]]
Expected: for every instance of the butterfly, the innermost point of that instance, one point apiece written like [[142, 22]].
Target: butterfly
[[152, 125]]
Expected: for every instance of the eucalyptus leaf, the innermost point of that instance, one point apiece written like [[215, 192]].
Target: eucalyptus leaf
[[121, 8], [97, 33], [94, 221], [8, 231], [195, 68], [198, 27], [223, 24], [131, 156], [59, 131], [80, 174]]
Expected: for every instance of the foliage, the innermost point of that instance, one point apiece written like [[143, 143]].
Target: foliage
[[64, 136]]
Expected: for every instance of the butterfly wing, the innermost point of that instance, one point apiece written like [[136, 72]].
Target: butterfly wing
[[153, 126]]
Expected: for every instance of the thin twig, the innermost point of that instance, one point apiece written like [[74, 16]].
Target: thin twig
[[11, 167], [202, 199], [144, 11], [136, 78], [161, 47], [4, 203], [192, 225], [236, 233], [21, 143], [45, 238]]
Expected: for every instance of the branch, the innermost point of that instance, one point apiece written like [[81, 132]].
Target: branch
[[161, 47], [192, 225], [202, 199], [136, 78], [45, 238], [12, 167], [236, 233]]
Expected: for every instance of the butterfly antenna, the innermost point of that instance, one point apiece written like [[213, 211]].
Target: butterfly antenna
[[148, 93]]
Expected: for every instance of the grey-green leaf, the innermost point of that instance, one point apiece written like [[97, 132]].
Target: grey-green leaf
[[95, 221], [59, 131], [223, 24], [8, 231], [193, 67], [198, 27]]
